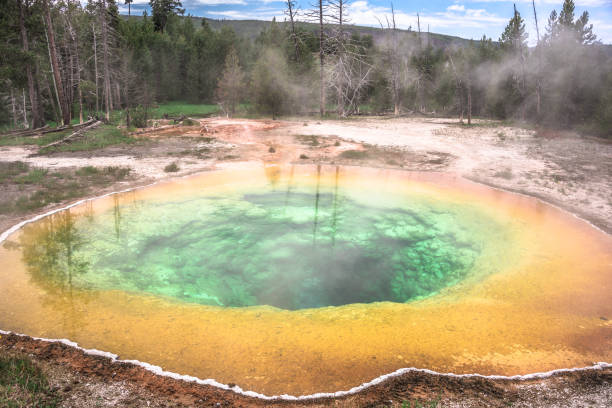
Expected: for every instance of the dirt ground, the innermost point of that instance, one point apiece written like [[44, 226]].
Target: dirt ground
[[561, 168]]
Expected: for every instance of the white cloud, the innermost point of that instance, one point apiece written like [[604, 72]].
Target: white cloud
[[216, 2], [257, 14], [363, 13], [559, 3]]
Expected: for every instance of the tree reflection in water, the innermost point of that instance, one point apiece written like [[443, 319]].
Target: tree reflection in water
[[49, 250]]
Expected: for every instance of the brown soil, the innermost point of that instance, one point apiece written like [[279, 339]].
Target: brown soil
[[565, 169], [84, 380]]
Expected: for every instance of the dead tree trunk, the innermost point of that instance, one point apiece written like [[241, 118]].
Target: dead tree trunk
[[539, 73], [458, 88], [52, 100], [25, 110], [108, 100], [14, 109], [420, 79], [36, 116], [395, 67], [65, 111], [68, 73], [75, 43], [95, 46], [342, 64], [292, 12], [469, 101], [118, 95], [321, 61]]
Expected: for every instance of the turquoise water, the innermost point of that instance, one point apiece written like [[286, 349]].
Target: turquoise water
[[301, 248]]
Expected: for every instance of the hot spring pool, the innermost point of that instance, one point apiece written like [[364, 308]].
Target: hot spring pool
[[304, 279]]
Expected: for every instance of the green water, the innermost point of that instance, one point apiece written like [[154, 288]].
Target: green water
[[289, 249]]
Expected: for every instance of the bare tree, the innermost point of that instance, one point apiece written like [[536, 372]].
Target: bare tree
[[25, 110], [37, 120], [348, 67], [108, 100], [230, 87], [539, 72], [319, 14], [292, 12], [77, 68], [55, 68], [95, 50], [458, 86], [395, 55], [14, 108]]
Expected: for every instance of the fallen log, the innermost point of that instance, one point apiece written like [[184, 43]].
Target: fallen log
[[62, 128], [24, 132], [46, 129], [82, 129], [154, 129]]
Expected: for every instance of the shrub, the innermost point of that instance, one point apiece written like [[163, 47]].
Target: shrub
[[138, 117], [354, 154], [172, 168], [86, 171], [190, 122]]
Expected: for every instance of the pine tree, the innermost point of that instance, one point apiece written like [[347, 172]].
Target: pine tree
[[566, 16], [514, 36], [514, 41], [578, 30], [584, 30], [552, 27], [162, 10]]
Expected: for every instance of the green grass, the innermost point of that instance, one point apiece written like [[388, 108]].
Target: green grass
[[34, 176], [354, 154], [87, 171], [9, 170], [39, 188], [309, 140], [34, 140], [98, 138], [174, 109], [189, 122], [23, 384]]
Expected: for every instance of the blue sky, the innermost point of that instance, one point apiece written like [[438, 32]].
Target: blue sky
[[464, 18]]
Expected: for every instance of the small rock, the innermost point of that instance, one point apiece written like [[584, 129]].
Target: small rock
[[272, 150]]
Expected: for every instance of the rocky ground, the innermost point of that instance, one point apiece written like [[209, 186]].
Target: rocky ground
[[561, 168]]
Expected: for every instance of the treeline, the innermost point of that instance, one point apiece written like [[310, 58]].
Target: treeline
[[60, 61]]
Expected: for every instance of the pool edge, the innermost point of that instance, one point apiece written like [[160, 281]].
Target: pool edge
[[157, 370], [378, 380]]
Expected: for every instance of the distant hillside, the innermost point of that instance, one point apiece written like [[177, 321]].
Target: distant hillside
[[252, 28]]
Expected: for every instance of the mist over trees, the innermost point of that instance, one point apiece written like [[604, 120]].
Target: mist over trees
[[61, 61]]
